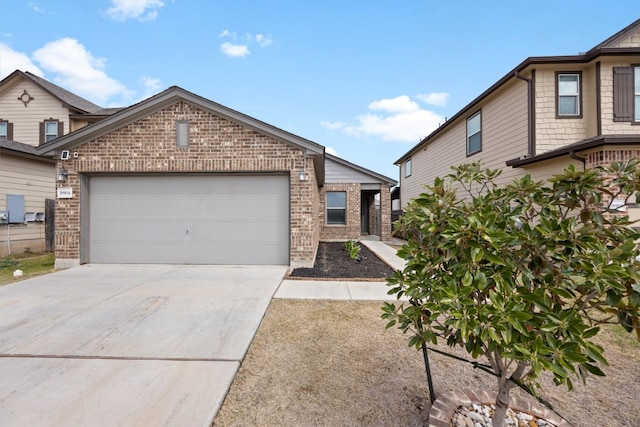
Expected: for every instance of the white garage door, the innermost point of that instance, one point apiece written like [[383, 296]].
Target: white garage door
[[189, 219]]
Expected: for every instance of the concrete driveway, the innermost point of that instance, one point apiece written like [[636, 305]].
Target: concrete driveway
[[145, 345]]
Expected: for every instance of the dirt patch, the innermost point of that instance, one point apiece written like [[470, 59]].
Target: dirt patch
[[334, 262], [332, 363]]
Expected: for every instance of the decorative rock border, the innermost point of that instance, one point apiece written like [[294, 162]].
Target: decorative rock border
[[446, 404]]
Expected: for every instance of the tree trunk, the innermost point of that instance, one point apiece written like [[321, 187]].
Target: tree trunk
[[502, 404]]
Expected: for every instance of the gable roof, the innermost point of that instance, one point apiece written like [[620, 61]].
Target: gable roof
[[162, 100], [69, 99], [369, 173], [606, 48], [612, 41]]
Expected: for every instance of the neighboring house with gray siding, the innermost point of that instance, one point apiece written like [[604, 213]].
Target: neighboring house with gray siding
[[543, 115], [180, 179]]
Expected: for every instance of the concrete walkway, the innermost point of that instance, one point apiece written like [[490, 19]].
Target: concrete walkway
[[346, 290]]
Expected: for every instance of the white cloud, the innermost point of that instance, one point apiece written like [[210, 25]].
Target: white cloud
[[434, 98], [397, 119], [79, 71], [333, 125], [400, 104], [263, 40], [152, 86], [331, 150], [35, 7], [10, 60], [234, 50], [142, 10], [241, 49]]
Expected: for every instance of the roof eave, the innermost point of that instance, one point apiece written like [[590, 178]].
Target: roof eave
[[577, 147], [163, 100], [391, 182], [531, 61]]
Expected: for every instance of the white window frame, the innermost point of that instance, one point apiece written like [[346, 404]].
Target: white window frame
[[471, 131], [563, 94], [336, 208], [407, 168], [50, 136], [4, 129]]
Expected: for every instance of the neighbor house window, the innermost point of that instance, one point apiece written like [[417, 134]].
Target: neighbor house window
[[50, 130], [568, 90], [336, 207], [407, 168], [6, 129], [474, 134]]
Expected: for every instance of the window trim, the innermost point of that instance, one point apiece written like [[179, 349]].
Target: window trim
[[468, 136], [9, 128], [578, 95], [333, 208], [407, 168], [635, 117], [43, 129]]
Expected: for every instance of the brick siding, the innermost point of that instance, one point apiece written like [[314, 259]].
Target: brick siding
[[215, 145]]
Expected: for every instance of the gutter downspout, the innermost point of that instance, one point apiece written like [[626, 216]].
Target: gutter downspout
[[531, 143], [574, 156]]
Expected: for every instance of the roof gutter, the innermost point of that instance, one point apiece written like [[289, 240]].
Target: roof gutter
[[572, 149], [574, 156]]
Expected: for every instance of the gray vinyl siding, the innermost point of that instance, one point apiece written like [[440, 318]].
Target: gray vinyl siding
[[336, 173]]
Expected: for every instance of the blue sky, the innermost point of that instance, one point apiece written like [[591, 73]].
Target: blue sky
[[366, 79]]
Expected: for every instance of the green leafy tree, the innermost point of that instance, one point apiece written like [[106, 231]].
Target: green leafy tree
[[521, 274]]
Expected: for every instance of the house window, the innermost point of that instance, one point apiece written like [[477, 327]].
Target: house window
[[4, 131], [336, 207], [474, 134], [50, 130], [568, 90], [407, 168]]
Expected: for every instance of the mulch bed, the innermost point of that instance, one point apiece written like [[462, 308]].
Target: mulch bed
[[334, 262]]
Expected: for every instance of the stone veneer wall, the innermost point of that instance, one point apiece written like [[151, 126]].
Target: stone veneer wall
[[215, 145]]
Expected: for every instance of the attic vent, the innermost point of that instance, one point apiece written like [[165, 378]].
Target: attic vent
[[182, 133]]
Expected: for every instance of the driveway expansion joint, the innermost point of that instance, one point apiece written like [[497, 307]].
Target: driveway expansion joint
[[78, 357]]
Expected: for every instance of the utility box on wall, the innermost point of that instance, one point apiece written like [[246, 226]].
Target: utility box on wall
[[15, 206], [4, 217]]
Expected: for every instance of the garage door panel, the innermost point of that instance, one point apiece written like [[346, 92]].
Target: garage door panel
[[197, 219]]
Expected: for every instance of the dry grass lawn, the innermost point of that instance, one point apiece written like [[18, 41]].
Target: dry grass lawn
[[331, 363]]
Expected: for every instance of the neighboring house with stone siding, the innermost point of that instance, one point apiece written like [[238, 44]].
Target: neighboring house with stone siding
[[180, 179], [32, 112], [543, 115]]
